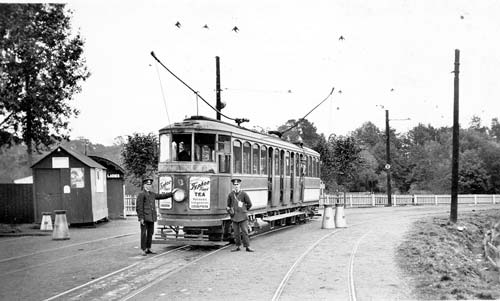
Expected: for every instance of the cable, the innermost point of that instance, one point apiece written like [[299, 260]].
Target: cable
[[196, 93], [162, 93], [301, 119]]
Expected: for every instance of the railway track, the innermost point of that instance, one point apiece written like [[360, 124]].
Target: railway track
[[145, 275]]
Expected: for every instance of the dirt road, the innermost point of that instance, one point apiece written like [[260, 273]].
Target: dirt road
[[296, 263]]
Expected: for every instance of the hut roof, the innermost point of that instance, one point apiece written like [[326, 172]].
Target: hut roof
[[80, 157]]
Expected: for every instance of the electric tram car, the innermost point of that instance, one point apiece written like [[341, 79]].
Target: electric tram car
[[200, 156]]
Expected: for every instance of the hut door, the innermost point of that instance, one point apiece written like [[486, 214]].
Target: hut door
[[48, 190]]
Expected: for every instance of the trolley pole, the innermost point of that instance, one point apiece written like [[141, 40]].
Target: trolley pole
[[454, 167], [218, 104], [388, 154]]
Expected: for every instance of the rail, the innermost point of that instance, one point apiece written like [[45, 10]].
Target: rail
[[353, 200]]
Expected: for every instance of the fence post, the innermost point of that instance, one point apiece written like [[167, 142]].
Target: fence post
[[494, 200], [395, 200], [350, 199], [435, 199], [415, 199], [475, 199], [373, 199]]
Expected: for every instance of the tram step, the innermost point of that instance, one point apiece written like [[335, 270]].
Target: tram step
[[282, 216]]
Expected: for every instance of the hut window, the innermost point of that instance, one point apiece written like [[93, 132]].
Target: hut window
[[204, 147]]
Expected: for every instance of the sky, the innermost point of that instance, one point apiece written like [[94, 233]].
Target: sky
[[283, 61]]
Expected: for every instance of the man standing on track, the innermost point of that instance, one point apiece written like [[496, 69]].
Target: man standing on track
[[146, 213], [238, 204]]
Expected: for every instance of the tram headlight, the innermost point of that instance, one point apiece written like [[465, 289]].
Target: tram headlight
[[179, 195]]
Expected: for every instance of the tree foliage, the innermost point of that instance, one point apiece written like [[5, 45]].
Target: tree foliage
[[41, 65], [140, 156]]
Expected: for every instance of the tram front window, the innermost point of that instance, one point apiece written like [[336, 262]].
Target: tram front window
[[204, 147], [181, 147]]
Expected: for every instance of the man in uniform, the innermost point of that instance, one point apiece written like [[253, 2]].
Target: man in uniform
[[238, 204], [146, 213]]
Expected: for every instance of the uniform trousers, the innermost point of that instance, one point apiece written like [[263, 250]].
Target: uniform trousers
[[147, 234], [241, 230]]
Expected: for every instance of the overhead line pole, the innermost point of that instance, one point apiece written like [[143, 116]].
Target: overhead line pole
[[455, 152], [388, 154], [218, 103]]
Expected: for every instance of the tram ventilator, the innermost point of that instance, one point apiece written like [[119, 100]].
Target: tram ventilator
[[61, 231]]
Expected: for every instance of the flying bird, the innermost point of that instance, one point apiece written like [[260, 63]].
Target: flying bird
[[462, 17], [392, 89], [236, 29], [178, 24], [341, 38], [340, 91], [206, 26]]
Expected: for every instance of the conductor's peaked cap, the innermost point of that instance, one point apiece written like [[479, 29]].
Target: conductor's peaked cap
[[236, 181], [148, 181]]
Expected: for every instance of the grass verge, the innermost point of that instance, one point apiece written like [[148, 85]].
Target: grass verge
[[446, 261]]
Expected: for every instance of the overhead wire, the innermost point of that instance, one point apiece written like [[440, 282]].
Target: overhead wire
[[162, 92], [192, 90], [302, 119]]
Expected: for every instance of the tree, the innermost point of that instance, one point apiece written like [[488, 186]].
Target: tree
[[495, 129], [305, 130], [140, 156], [346, 159], [41, 65]]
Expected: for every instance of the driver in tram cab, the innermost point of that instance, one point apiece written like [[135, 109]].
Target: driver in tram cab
[[183, 153], [238, 204]]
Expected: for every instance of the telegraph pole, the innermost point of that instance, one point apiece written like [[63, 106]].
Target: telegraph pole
[[388, 154], [218, 104], [454, 167]]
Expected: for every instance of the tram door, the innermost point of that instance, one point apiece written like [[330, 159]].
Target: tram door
[[301, 175], [270, 168]]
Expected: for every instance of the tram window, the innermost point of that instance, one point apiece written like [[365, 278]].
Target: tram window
[[165, 147], [297, 166], [263, 160], [276, 162], [237, 151], [309, 166], [313, 167], [204, 147], [246, 158], [224, 153], [287, 163], [255, 159], [181, 146]]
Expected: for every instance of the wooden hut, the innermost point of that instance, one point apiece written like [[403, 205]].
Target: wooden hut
[[67, 180], [115, 183]]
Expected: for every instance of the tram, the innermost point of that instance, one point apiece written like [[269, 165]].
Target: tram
[[199, 156]]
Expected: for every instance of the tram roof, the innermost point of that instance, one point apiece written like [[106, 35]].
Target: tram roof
[[206, 123]]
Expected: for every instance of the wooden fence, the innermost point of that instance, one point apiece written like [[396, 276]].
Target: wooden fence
[[16, 203], [129, 205], [374, 200]]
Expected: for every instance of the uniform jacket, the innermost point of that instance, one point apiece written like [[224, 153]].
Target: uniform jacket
[[240, 208], [145, 204]]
